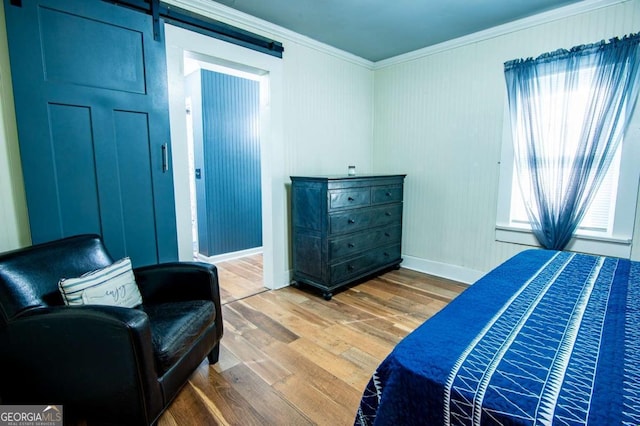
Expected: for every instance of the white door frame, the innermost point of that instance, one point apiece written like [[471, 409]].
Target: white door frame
[[274, 205]]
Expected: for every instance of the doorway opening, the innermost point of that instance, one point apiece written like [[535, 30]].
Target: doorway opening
[[274, 173], [222, 106]]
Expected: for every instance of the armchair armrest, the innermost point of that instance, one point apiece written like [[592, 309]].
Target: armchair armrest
[[170, 282], [46, 352], [178, 281]]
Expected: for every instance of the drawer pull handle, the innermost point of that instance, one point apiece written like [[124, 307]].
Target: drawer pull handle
[[386, 234], [351, 221], [351, 199], [387, 213], [350, 245], [388, 194], [386, 254], [350, 267]]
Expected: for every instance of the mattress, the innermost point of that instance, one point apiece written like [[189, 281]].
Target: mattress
[[545, 338]]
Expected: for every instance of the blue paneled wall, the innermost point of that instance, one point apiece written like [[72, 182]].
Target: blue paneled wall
[[226, 113]]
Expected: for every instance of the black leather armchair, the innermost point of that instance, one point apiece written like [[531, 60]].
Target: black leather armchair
[[112, 364]]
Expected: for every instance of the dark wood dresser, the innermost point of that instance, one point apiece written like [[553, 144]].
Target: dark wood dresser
[[344, 228]]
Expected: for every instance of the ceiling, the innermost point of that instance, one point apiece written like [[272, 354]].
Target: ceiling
[[380, 29]]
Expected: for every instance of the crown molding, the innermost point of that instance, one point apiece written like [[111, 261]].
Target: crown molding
[[541, 18], [232, 16]]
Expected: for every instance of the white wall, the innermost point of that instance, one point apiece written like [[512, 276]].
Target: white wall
[[14, 226], [329, 113], [439, 118]]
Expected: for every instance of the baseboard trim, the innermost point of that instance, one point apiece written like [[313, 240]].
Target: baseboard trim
[[227, 256], [443, 270], [438, 269]]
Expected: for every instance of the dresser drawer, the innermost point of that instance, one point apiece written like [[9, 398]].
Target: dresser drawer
[[344, 228], [386, 194], [357, 220], [349, 198], [362, 241], [369, 261]]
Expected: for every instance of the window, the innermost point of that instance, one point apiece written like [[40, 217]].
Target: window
[[607, 227], [599, 219]]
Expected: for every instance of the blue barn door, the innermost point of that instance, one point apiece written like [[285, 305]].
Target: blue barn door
[[91, 102]]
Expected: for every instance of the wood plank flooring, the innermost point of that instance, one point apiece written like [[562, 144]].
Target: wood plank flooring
[[240, 278], [288, 357]]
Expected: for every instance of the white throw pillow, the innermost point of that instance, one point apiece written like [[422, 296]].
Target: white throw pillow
[[113, 285]]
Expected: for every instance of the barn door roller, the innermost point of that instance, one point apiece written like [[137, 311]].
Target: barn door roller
[[201, 24]]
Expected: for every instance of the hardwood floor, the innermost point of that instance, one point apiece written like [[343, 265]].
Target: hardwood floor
[[240, 278], [288, 357]]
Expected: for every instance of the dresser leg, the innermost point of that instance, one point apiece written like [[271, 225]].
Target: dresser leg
[[294, 283], [327, 295]]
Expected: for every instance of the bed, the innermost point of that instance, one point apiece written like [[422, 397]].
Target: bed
[[545, 338]]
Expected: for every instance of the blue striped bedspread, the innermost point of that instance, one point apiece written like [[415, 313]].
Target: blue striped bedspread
[[546, 338]]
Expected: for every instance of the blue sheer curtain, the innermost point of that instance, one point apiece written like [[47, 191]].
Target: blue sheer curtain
[[569, 110]]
